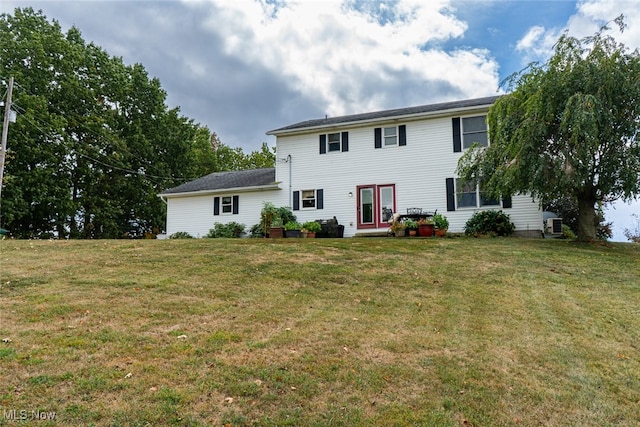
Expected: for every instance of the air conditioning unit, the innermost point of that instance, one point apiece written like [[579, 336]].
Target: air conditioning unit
[[554, 225]]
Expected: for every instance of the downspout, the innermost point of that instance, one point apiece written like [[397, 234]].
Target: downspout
[[290, 186]]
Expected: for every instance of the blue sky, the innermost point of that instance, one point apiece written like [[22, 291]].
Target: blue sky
[[500, 32], [244, 67]]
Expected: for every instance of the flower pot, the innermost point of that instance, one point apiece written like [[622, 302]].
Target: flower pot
[[311, 234], [413, 232], [276, 232], [440, 232], [400, 232], [292, 233], [425, 230]]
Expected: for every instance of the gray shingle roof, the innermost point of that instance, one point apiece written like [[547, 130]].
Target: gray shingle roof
[[227, 180], [408, 111]]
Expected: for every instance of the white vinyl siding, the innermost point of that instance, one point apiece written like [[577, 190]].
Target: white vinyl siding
[[194, 214], [418, 170]]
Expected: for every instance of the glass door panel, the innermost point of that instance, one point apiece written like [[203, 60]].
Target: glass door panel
[[386, 204], [366, 206]]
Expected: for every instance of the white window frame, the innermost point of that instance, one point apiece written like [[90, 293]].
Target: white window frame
[[392, 139], [226, 207], [338, 142], [466, 145], [311, 202]]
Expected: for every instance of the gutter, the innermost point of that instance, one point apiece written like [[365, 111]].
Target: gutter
[[275, 186]]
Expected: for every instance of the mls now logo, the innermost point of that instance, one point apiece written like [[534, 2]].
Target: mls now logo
[[22, 415]]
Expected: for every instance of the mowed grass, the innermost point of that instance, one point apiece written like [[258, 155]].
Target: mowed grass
[[324, 332]]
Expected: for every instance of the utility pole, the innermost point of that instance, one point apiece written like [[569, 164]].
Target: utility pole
[[5, 131]]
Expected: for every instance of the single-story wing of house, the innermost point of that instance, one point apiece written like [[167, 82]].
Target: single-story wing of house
[[359, 169]]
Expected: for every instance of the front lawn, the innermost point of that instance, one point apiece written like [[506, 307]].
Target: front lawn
[[320, 332]]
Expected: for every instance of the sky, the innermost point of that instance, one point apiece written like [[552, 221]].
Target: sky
[[244, 67]]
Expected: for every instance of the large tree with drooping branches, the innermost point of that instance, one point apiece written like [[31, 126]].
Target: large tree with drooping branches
[[567, 128]]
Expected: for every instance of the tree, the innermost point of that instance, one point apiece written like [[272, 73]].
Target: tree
[[94, 142], [567, 209], [633, 234], [567, 128]]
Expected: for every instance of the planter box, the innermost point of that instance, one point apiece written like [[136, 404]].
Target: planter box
[[292, 233], [276, 232]]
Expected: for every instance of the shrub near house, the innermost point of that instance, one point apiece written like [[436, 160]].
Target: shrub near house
[[489, 223]]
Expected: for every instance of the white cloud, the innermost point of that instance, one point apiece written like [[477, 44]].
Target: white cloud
[[537, 44], [343, 55]]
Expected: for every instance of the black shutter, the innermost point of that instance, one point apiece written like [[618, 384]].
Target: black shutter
[[236, 199], [506, 202], [345, 141], [457, 139], [296, 200], [402, 130], [216, 205], [323, 144], [451, 197], [378, 137], [320, 199]]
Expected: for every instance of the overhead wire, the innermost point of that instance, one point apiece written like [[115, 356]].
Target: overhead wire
[[98, 136]]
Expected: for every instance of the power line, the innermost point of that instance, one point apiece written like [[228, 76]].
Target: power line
[[98, 136]]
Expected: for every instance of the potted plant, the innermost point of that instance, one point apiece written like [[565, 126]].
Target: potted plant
[[276, 230], [292, 229], [267, 215], [425, 227], [398, 228], [311, 227], [412, 226], [441, 223]]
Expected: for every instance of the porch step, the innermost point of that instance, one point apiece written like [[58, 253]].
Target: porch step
[[372, 234]]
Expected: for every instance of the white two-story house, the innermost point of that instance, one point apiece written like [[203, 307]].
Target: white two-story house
[[359, 169]]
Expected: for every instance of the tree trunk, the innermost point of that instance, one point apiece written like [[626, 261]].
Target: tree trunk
[[587, 219]]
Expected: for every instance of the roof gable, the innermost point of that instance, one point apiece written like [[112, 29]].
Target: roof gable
[[381, 115], [228, 180]]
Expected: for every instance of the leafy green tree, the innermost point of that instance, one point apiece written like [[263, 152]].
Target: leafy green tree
[[94, 142], [567, 128]]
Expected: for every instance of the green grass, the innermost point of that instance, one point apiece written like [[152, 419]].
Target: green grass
[[304, 332]]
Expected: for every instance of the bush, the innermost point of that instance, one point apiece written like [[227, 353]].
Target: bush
[[229, 230], [286, 215], [270, 214], [489, 223], [181, 235], [313, 226], [440, 221], [292, 225], [567, 233], [256, 230]]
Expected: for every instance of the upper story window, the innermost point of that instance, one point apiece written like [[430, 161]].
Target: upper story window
[[390, 136], [474, 129], [467, 130], [334, 142]]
